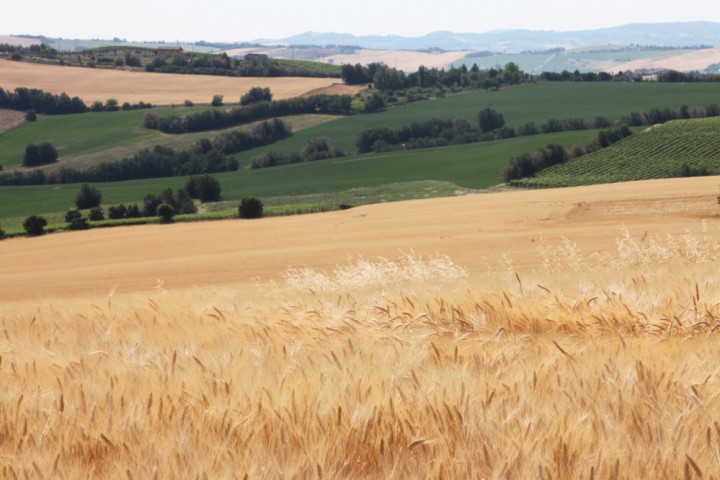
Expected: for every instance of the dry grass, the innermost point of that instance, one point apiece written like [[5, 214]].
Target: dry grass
[[92, 84], [404, 368]]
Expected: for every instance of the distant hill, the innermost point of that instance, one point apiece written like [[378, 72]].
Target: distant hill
[[677, 34]]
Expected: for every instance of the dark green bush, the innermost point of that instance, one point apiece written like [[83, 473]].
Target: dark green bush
[[34, 225], [250, 208]]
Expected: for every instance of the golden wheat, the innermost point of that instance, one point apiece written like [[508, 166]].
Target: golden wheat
[[388, 368]]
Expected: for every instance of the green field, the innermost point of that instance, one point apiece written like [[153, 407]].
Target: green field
[[86, 139], [658, 152], [472, 166]]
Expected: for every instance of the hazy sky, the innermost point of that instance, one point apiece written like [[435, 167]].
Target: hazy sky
[[238, 20]]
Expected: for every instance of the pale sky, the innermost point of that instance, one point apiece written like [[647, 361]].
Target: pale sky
[[238, 20]]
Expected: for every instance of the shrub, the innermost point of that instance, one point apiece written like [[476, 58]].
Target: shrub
[[217, 101], [117, 211], [490, 119], [34, 225], [72, 214], [31, 115], [188, 103], [166, 212], [250, 208], [79, 224], [132, 211], [96, 214], [2, 233], [88, 197]]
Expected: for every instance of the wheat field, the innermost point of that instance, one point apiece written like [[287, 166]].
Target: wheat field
[[584, 362], [98, 84]]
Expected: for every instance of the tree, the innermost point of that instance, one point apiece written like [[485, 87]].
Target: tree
[[31, 115], [88, 197], [217, 101], [34, 225], [72, 214], [96, 214], [490, 119], [166, 212], [255, 95], [2, 233], [79, 224], [41, 154], [250, 208], [117, 211], [203, 187]]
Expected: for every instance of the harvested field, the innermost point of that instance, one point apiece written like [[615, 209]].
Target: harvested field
[[684, 62], [93, 84], [509, 362], [476, 231], [407, 61], [10, 119]]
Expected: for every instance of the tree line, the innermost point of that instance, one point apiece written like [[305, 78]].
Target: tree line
[[216, 119], [385, 78], [529, 164], [205, 156], [251, 66], [40, 101], [315, 149]]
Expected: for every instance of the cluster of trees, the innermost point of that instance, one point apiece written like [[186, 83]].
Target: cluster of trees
[[386, 78], [42, 154], [42, 102], [430, 133], [528, 164], [671, 76], [216, 119], [236, 141], [205, 156], [315, 149], [17, 51], [251, 66], [149, 163], [255, 95]]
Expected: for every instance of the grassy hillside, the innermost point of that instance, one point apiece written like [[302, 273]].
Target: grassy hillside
[[470, 166], [677, 148], [90, 138], [114, 135]]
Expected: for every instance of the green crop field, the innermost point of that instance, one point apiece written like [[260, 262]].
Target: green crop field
[[472, 166], [658, 152], [86, 139]]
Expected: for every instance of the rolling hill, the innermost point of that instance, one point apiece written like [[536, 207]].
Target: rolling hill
[[676, 148]]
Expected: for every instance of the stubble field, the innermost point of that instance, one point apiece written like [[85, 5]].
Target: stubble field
[[91, 84], [537, 334]]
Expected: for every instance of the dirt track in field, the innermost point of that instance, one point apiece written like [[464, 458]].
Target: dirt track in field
[[475, 231], [93, 84]]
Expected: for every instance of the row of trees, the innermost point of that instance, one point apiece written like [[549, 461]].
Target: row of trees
[[216, 119], [205, 156], [315, 149], [491, 126], [251, 66], [529, 164], [386, 78], [40, 101]]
